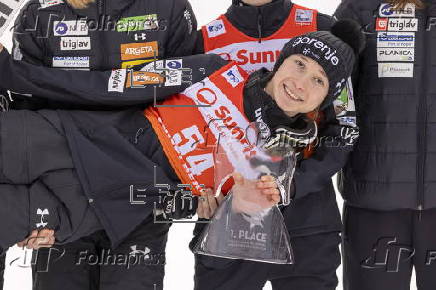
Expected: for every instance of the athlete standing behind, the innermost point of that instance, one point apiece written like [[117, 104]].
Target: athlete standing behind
[[252, 32], [101, 35], [389, 184]]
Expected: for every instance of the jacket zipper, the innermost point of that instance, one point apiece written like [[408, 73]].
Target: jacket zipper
[[259, 24], [422, 137]]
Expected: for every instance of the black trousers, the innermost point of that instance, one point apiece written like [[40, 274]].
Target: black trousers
[[316, 259], [381, 247], [2, 268], [90, 264]]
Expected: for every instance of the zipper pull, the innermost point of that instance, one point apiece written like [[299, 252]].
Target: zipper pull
[[420, 212], [259, 24]]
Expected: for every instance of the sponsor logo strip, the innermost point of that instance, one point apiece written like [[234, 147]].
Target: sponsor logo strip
[[403, 24], [395, 70], [395, 54], [70, 28], [71, 61], [129, 64], [138, 23], [139, 50], [117, 80], [387, 10], [396, 39], [143, 78], [75, 43], [49, 3]]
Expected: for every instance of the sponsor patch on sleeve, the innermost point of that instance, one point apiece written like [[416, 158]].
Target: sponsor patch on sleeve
[[303, 16], [143, 78], [215, 28], [233, 76], [117, 80]]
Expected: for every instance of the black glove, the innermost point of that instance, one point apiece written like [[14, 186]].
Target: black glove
[[180, 204]]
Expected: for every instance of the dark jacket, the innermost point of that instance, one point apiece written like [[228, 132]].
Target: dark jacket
[[315, 207], [106, 172], [392, 164], [105, 146], [263, 21], [109, 34]]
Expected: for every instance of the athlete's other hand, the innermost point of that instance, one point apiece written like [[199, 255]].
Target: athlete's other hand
[[38, 239], [254, 196], [208, 204]]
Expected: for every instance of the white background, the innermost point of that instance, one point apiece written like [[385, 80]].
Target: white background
[[180, 262]]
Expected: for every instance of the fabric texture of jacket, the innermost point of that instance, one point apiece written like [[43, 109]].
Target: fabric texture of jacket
[[391, 166], [108, 169], [108, 34]]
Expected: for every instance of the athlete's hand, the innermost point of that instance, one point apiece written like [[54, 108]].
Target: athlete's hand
[[208, 204], [38, 239], [254, 196]]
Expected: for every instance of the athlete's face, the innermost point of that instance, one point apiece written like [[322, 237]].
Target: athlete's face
[[299, 86], [256, 2]]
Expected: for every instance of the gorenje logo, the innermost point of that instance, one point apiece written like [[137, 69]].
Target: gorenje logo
[[329, 54], [7, 12]]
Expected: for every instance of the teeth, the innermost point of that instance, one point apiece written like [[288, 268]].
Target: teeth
[[292, 95]]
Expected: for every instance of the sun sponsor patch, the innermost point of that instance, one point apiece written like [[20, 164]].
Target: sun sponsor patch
[[131, 51]]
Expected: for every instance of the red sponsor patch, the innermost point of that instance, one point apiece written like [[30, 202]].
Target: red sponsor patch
[[381, 24]]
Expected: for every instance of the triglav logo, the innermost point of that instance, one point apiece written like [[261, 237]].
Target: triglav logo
[[329, 54]]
